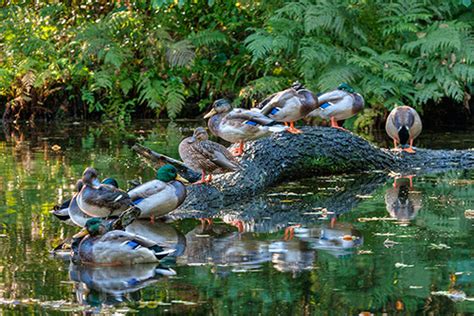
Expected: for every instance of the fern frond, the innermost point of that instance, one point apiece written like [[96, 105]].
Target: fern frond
[[180, 53], [207, 38], [259, 44], [175, 98]]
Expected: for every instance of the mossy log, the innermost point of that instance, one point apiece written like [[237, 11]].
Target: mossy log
[[318, 151]]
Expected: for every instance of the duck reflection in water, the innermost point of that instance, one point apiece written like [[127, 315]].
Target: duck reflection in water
[[338, 239], [224, 248], [98, 286], [402, 201], [292, 256]]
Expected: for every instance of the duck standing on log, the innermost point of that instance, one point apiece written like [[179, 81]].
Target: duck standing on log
[[403, 126], [339, 104], [289, 106], [160, 196], [199, 153], [239, 125]]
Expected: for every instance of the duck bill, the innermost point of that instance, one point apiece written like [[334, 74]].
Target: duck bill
[[211, 113], [180, 178], [81, 234]]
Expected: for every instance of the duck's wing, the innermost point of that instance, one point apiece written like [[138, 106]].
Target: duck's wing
[[219, 155], [147, 189], [248, 115], [134, 241], [331, 96], [278, 100]]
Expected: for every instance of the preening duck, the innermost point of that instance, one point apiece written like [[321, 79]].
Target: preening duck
[[403, 126], [239, 125], [339, 104]]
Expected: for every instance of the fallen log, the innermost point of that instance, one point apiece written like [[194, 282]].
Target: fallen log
[[318, 151]]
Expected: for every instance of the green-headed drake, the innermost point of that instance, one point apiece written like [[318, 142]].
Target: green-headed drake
[[160, 196], [339, 104], [289, 106], [102, 247], [101, 200], [201, 154], [403, 126], [239, 125]]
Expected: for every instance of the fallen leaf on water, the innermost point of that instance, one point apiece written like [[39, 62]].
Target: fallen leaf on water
[[384, 234], [439, 246], [183, 302], [415, 287], [360, 196], [389, 243], [469, 214], [374, 219], [365, 252], [402, 265], [56, 147]]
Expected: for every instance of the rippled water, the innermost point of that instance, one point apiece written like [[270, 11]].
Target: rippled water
[[342, 245]]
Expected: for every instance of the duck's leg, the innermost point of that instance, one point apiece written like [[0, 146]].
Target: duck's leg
[[293, 129], [203, 178], [209, 178], [410, 149], [152, 219], [239, 150], [239, 224], [335, 125], [395, 146], [290, 232]]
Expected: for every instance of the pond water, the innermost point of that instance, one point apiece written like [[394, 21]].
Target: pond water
[[392, 248]]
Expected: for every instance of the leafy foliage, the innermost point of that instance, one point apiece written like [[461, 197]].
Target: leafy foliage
[[411, 52]]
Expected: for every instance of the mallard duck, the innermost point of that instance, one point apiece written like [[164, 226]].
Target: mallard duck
[[116, 247], [401, 201], [239, 125], [289, 106], [160, 196], [403, 126], [70, 213], [339, 104], [101, 200], [199, 153]]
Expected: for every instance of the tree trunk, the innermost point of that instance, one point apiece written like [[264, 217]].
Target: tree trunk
[[318, 151]]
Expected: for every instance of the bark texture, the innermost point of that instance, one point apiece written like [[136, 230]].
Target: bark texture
[[318, 151]]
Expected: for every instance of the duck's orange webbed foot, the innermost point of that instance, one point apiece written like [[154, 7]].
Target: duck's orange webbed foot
[[292, 129], [335, 125], [290, 232], [409, 150], [238, 151]]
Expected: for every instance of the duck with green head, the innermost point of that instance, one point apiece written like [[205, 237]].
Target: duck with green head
[[160, 196], [339, 104], [199, 153], [239, 125], [102, 247], [101, 200], [403, 126], [289, 106]]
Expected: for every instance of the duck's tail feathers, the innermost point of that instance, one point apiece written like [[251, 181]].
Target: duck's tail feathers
[[165, 271], [277, 128], [160, 252]]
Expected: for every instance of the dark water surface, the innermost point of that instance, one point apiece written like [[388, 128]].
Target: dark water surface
[[392, 248]]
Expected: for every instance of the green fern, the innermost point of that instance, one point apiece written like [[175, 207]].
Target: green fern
[[175, 98]]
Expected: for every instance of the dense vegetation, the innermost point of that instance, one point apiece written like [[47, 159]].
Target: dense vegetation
[[172, 58]]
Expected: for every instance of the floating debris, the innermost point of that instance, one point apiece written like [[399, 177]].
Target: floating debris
[[365, 252], [384, 234], [375, 219], [183, 302], [439, 246], [360, 196], [454, 295], [469, 214], [389, 243], [415, 287], [402, 265]]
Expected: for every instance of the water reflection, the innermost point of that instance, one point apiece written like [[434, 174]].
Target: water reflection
[[402, 200], [96, 286]]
